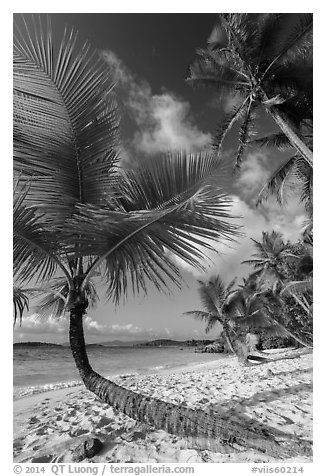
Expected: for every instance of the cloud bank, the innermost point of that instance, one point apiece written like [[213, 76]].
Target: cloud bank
[[50, 329]]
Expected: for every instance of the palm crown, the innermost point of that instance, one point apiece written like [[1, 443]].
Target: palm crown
[[75, 209], [269, 256], [264, 58]]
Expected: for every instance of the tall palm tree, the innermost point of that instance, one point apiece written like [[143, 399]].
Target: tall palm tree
[[77, 212], [265, 59], [213, 295]]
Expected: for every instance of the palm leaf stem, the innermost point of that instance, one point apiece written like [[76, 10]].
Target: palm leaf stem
[[234, 118], [301, 303], [304, 344], [54, 258], [90, 271]]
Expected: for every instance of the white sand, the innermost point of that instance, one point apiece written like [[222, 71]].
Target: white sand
[[278, 395]]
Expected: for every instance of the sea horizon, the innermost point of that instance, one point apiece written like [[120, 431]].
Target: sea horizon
[[37, 369]]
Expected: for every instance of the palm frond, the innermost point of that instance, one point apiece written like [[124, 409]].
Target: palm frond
[[211, 323], [297, 287], [56, 298], [21, 303], [65, 120], [304, 174], [207, 300], [199, 315], [271, 26], [279, 141], [36, 249], [246, 131], [234, 305], [235, 115], [296, 41], [212, 295], [255, 320], [241, 30], [276, 184], [210, 319], [230, 286], [214, 69], [174, 209]]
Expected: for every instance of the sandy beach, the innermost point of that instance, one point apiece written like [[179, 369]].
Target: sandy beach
[[276, 395]]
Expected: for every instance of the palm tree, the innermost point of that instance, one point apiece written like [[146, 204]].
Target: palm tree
[[213, 295], [264, 59], [277, 259], [254, 306], [77, 212], [270, 255], [301, 288]]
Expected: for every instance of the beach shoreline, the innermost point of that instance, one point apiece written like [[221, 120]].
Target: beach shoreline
[[277, 395]]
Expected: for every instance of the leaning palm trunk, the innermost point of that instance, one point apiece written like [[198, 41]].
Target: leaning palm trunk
[[286, 128], [228, 338], [304, 344], [205, 430]]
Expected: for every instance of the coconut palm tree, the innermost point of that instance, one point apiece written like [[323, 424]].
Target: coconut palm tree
[[254, 306], [263, 59], [213, 295], [269, 256], [291, 271], [301, 288], [77, 212]]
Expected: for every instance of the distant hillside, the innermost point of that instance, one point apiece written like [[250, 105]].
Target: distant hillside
[[121, 343], [111, 343], [174, 343], [36, 344], [153, 343], [95, 345]]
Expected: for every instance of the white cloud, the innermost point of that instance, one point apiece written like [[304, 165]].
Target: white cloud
[[170, 127], [227, 257], [50, 329], [253, 175], [164, 121], [119, 72], [34, 324], [125, 329], [93, 326]]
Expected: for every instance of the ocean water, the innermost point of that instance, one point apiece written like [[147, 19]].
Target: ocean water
[[39, 369]]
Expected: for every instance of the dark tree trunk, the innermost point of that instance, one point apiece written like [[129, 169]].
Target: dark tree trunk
[[204, 430], [301, 342], [286, 128], [228, 338]]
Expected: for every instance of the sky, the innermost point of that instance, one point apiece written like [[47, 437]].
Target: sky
[[149, 56]]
